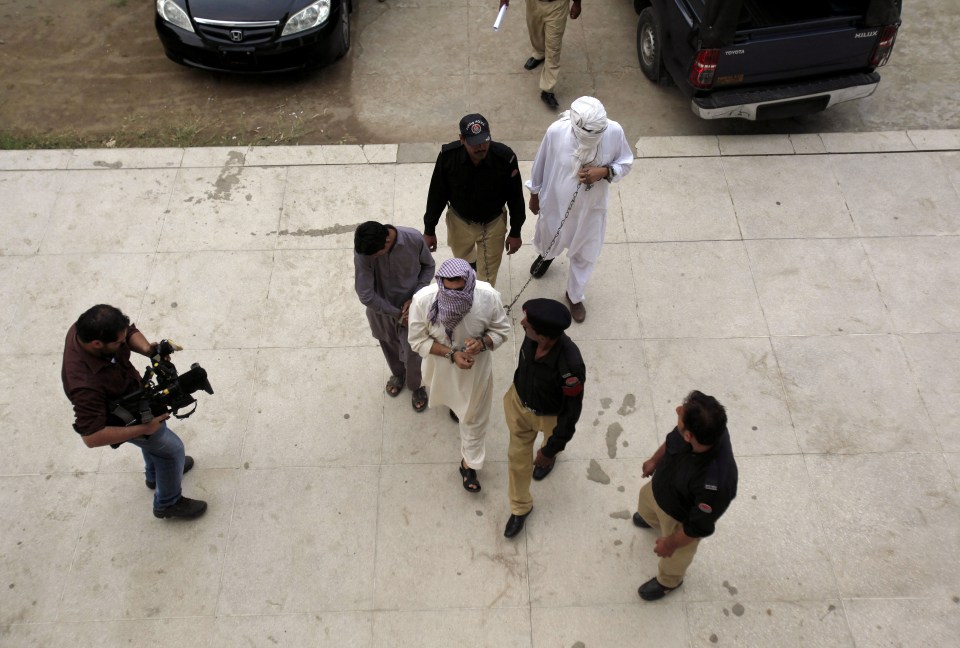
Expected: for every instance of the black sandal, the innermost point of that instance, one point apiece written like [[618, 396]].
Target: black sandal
[[470, 482], [394, 386], [419, 399]]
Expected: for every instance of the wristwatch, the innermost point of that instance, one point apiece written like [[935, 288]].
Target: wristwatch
[[449, 355]]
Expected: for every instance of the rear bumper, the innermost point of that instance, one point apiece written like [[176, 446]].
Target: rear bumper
[[783, 101]]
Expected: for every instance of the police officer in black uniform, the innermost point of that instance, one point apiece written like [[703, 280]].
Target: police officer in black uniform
[[694, 481], [546, 395], [476, 180]]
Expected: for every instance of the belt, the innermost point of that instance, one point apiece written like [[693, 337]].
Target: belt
[[525, 406], [475, 222]]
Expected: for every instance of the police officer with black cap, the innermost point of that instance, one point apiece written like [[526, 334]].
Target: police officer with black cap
[[476, 179], [546, 395]]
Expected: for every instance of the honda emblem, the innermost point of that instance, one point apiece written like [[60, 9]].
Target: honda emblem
[[236, 35]]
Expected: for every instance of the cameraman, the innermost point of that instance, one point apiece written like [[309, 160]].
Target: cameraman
[[97, 370]]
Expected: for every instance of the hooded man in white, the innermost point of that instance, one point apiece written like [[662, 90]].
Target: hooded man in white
[[581, 153]]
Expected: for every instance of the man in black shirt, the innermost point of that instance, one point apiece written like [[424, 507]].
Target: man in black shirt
[[694, 481], [476, 179], [547, 395]]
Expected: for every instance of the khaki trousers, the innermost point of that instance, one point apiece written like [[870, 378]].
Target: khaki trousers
[[545, 24], [468, 240], [524, 426], [671, 570]]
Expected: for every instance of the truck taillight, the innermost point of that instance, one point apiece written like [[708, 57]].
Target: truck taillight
[[881, 52], [704, 68]]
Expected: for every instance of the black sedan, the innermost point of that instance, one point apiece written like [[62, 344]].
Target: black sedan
[[254, 35]]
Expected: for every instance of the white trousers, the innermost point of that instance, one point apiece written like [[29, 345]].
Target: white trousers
[[473, 425]]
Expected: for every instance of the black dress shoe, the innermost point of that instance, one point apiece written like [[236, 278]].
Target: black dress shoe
[[532, 63], [539, 472], [185, 508], [540, 267], [640, 522], [453, 415], [550, 99], [187, 465], [653, 590], [515, 524]]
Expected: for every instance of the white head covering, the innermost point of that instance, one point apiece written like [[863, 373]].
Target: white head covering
[[588, 118]]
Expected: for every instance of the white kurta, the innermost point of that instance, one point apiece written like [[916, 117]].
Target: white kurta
[[553, 177], [468, 392]]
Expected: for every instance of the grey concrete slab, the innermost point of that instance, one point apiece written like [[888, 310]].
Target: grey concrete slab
[[144, 574], [507, 627], [42, 517], [652, 214], [233, 283], [28, 197], [909, 623], [84, 216], [271, 541], [872, 186], [43, 314], [569, 568], [243, 213], [322, 206], [833, 385], [610, 625], [931, 358], [450, 544], [871, 523], [906, 285], [741, 372], [817, 287], [782, 197], [30, 392], [691, 272], [766, 623]]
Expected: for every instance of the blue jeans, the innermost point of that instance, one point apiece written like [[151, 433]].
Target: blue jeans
[[163, 463]]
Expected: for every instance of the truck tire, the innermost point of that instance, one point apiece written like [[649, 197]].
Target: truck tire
[[649, 51]]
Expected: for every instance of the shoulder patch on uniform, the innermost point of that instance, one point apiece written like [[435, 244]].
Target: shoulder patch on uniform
[[706, 508], [572, 386]]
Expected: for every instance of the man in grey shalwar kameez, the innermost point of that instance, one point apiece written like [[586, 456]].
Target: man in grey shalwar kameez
[[390, 265]]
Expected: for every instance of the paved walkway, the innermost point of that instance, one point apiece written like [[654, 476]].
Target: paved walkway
[[811, 283]]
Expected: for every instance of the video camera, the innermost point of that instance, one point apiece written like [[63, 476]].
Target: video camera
[[170, 392]]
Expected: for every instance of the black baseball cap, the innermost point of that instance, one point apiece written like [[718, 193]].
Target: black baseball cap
[[475, 129]]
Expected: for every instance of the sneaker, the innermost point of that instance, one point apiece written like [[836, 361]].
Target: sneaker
[[185, 508], [187, 465]]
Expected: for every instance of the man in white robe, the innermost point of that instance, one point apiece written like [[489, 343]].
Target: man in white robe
[[582, 153], [455, 324]]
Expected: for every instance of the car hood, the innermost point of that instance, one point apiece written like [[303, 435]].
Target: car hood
[[245, 10]]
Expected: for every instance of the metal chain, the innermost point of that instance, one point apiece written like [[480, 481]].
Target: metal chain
[[549, 247]]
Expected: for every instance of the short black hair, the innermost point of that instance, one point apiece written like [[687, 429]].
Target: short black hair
[[370, 238], [103, 323], [705, 417]]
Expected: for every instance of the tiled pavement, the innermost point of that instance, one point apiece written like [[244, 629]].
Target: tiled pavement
[[811, 283]]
